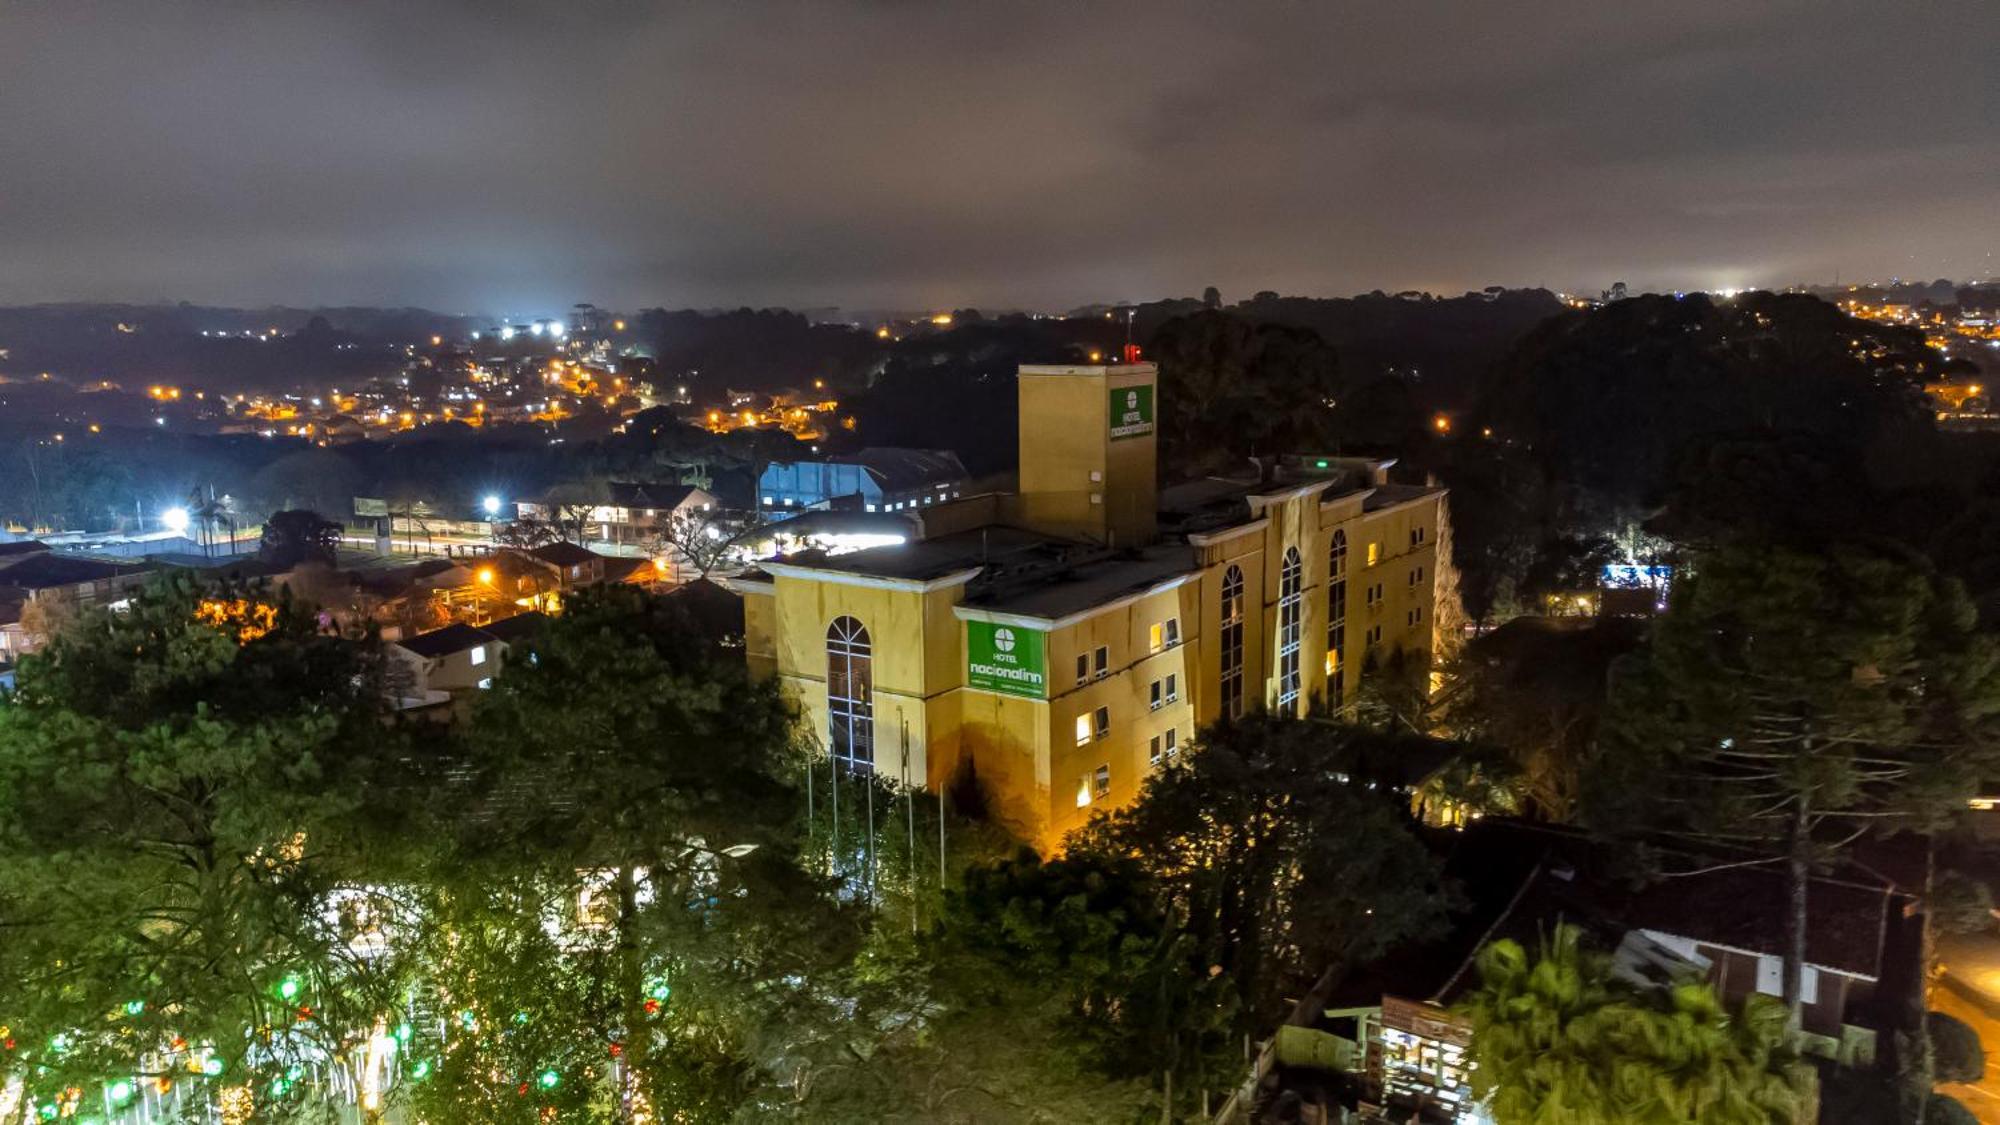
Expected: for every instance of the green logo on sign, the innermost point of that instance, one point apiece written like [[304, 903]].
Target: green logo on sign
[[1007, 659], [1131, 412]]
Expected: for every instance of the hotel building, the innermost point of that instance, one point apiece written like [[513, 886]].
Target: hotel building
[[1060, 642]]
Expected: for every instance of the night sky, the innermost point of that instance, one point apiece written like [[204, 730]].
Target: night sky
[[514, 158]]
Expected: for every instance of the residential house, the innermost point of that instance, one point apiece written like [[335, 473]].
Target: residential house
[[35, 580]]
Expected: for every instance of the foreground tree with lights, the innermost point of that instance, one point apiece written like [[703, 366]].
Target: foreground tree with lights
[[615, 880], [177, 788]]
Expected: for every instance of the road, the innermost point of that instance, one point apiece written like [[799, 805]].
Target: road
[[1969, 989]]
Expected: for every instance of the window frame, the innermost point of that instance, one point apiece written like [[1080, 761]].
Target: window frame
[[1291, 628], [850, 661], [1230, 641]]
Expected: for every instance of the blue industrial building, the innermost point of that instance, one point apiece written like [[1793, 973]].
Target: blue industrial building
[[873, 480]]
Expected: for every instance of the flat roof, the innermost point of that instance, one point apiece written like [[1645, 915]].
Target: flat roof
[[1058, 592], [924, 560]]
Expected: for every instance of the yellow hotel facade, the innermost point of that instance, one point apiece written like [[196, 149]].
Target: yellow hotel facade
[[1059, 643]]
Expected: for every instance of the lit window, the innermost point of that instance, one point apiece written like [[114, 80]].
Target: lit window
[[770, 500], [486, 683], [850, 695], [871, 507], [1083, 792], [1104, 722], [1157, 636], [478, 654], [1083, 730], [1102, 661], [1374, 553], [1291, 616]]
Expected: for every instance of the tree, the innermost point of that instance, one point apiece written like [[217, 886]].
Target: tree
[[1089, 937], [1270, 895], [1232, 390], [179, 784], [295, 536], [1790, 702], [1211, 298], [526, 535], [1536, 687], [1562, 1039], [701, 539], [1960, 1057], [626, 775]]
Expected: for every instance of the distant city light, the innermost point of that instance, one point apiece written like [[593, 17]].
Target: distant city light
[[175, 519], [491, 504]]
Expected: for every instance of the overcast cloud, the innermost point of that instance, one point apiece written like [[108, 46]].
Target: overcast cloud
[[515, 157]]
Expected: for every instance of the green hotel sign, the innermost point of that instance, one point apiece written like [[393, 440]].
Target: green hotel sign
[[1131, 412], [1008, 659]]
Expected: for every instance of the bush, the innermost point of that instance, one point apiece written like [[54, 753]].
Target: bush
[[1942, 1110], [1957, 1055]]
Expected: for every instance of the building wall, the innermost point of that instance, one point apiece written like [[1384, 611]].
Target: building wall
[[1075, 478]]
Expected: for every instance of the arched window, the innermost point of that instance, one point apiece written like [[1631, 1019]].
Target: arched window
[[1336, 617], [850, 695], [1291, 621], [1232, 643]]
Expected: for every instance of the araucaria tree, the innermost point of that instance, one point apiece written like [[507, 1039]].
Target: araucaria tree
[[1790, 702], [1560, 1039]]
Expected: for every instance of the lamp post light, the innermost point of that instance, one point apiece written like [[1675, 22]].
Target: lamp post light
[[492, 506], [175, 520]]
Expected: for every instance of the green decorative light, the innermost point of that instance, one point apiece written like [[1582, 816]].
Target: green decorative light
[[290, 987], [520, 1018], [548, 1079], [421, 1070], [48, 1112], [659, 990], [121, 1091], [468, 1019], [134, 1007], [404, 1032], [211, 1066]]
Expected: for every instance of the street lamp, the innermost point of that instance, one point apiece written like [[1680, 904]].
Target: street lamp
[[175, 519], [492, 505]]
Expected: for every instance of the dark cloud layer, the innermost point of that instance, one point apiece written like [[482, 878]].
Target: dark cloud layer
[[515, 157]]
